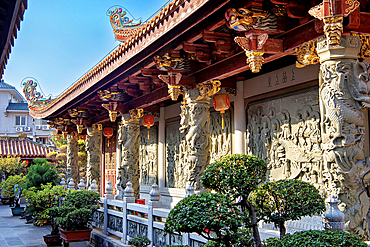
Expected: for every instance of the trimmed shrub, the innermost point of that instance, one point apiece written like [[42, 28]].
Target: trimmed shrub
[[317, 238]]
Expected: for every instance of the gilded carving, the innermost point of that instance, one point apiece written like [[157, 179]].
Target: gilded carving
[[72, 170], [128, 140], [307, 54], [93, 149], [148, 159], [244, 19], [365, 46], [207, 89], [333, 29], [107, 95]]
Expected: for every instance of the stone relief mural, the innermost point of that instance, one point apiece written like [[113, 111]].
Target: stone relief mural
[[220, 138], [286, 133], [148, 156]]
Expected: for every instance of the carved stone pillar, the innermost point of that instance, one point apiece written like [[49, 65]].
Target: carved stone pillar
[[72, 157], [93, 149], [128, 140], [343, 96], [195, 119]]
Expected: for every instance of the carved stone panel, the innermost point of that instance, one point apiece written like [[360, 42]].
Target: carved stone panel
[[285, 132], [93, 149], [220, 138], [160, 238], [72, 170], [148, 157], [132, 229], [175, 153]]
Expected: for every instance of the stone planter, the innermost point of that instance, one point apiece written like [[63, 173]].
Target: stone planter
[[17, 211], [29, 219], [79, 235], [52, 240]]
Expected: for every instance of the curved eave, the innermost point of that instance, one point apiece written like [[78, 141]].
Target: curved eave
[[174, 12]]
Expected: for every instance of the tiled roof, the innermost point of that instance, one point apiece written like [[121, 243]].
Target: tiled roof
[[22, 147], [4, 85], [17, 107]]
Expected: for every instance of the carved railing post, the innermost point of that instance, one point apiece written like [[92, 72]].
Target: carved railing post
[[63, 183], [81, 185], [128, 139], [93, 150], [155, 195], [195, 120], [109, 191], [343, 94], [129, 193], [71, 184], [190, 191], [93, 186], [72, 157]]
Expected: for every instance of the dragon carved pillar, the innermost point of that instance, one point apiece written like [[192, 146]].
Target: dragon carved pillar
[[195, 120], [72, 158], [129, 143], [93, 149], [344, 95]]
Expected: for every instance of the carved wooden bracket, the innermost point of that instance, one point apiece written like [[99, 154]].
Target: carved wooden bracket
[[136, 113], [111, 107], [222, 41], [109, 95], [144, 83], [252, 44], [153, 74], [79, 124], [202, 52]]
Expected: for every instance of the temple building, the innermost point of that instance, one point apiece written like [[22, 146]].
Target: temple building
[[284, 80]]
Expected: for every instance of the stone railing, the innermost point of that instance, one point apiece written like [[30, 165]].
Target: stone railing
[[126, 219]]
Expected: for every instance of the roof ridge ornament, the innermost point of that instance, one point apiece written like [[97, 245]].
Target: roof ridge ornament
[[33, 97], [123, 23]]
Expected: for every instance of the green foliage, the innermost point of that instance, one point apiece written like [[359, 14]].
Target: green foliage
[[235, 175], [41, 200], [317, 238], [63, 148], [76, 211], [51, 156], [203, 213], [41, 174], [177, 245], [284, 200], [7, 186], [140, 241], [11, 165], [38, 161], [59, 141]]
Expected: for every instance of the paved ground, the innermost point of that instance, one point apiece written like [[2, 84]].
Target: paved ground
[[15, 233]]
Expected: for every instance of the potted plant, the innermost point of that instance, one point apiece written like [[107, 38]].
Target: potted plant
[[74, 215], [12, 187], [42, 200], [140, 241]]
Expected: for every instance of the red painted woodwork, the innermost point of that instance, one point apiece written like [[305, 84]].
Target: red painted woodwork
[[110, 160]]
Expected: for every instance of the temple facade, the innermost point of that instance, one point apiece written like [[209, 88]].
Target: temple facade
[[284, 80]]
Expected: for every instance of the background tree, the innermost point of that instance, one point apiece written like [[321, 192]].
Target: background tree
[[41, 174], [11, 165], [237, 176], [284, 200], [7, 187], [205, 213]]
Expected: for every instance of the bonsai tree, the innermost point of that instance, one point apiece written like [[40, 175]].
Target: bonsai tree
[[236, 176], [11, 165], [12, 187], [284, 200], [76, 210], [42, 200], [213, 216], [41, 174], [317, 238]]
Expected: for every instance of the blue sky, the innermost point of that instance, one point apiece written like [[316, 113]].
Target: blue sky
[[59, 41]]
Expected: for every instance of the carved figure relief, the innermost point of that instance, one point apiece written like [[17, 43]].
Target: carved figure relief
[[220, 138], [128, 140], [93, 149], [285, 132], [148, 157], [72, 170]]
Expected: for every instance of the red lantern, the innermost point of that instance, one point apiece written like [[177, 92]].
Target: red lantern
[[221, 102], [148, 121], [108, 132]]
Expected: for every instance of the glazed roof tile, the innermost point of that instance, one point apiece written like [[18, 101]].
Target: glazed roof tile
[[22, 147], [17, 107], [4, 85]]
